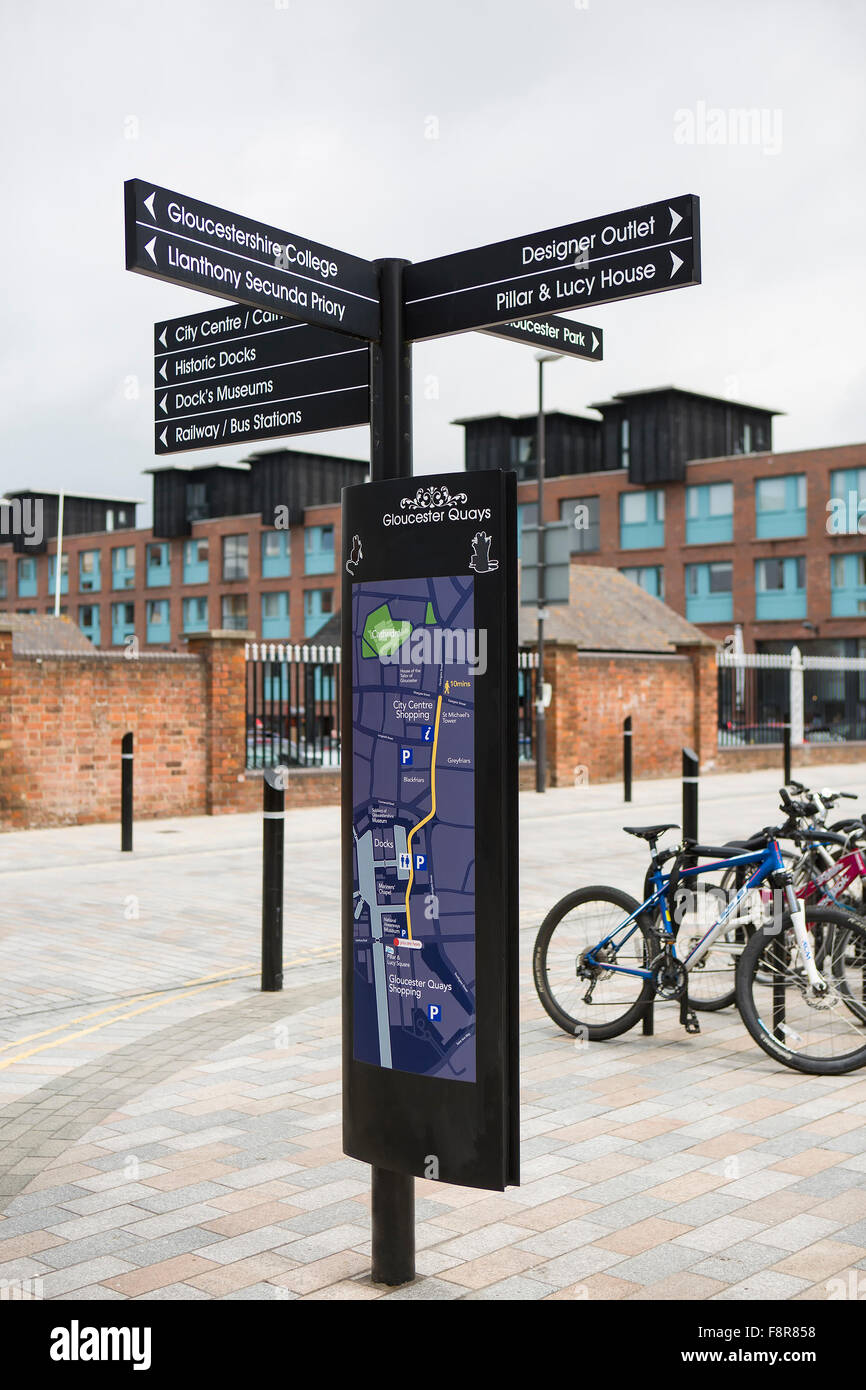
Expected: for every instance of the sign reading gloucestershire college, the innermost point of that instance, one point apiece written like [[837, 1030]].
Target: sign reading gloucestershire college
[[430, 827], [554, 333], [187, 242], [240, 374], [639, 251]]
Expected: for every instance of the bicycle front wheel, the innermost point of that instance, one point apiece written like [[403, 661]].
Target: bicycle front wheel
[[586, 988], [821, 1032]]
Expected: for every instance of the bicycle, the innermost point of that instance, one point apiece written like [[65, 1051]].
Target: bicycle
[[810, 1021]]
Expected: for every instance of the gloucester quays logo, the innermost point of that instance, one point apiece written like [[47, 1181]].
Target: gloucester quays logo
[[433, 504]]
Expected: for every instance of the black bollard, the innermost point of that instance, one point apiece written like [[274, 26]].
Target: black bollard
[[393, 1227], [690, 798], [273, 833], [786, 753], [126, 761], [626, 758]]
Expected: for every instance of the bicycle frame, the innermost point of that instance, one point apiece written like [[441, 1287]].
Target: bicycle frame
[[767, 862]]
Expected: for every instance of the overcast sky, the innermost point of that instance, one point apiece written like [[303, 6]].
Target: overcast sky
[[316, 116]]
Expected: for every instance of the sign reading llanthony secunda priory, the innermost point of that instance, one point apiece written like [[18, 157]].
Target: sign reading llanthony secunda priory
[[174, 237], [430, 908]]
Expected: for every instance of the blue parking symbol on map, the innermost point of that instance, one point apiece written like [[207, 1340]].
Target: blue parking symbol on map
[[420, 861], [405, 757], [426, 733], [434, 1013]]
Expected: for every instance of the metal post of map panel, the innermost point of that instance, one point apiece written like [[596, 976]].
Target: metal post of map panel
[[273, 832], [786, 753], [126, 757], [393, 1194], [626, 758], [393, 1227]]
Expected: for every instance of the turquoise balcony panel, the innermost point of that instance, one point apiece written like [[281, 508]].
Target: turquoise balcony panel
[[52, 577], [769, 525], [89, 624], [276, 625], [195, 570], [313, 622], [121, 626], [89, 575], [780, 604], [647, 535], [319, 550], [709, 530], [710, 608], [194, 615]]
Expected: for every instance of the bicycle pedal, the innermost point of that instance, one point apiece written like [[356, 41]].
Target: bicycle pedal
[[691, 1022]]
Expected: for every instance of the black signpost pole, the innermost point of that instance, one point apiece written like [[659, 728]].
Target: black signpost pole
[[540, 727], [273, 836], [626, 758], [393, 1194]]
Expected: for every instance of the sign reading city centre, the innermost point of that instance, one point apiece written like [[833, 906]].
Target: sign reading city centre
[[430, 927], [239, 374], [639, 251], [177, 238]]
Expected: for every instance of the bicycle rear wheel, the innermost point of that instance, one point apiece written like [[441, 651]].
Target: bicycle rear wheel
[[587, 997], [810, 1032]]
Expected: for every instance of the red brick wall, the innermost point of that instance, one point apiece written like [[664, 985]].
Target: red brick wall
[[61, 765], [62, 720], [671, 700]]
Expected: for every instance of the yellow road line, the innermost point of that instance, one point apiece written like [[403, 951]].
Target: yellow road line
[[319, 953], [427, 818], [123, 1004]]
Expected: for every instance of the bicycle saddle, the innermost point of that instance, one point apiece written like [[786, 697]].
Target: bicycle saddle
[[648, 832]]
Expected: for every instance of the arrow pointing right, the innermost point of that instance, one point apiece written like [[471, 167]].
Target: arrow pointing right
[[676, 219], [594, 342], [676, 262]]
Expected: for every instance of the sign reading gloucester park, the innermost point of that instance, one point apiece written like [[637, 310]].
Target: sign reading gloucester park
[[430, 842]]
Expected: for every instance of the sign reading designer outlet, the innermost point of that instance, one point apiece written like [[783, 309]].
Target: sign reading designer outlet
[[430, 928], [638, 251]]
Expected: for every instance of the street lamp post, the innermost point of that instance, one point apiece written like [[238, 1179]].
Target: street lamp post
[[540, 729]]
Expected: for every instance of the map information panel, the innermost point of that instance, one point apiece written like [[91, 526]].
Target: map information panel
[[413, 788]]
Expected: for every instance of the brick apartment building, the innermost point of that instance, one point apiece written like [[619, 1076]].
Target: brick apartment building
[[682, 493], [248, 546]]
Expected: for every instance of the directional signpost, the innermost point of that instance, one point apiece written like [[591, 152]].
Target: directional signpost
[[172, 237], [429, 960], [240, 374], [639, 251], [554, 334]]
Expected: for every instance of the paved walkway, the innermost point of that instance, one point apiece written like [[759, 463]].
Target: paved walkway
[[167, 1131]]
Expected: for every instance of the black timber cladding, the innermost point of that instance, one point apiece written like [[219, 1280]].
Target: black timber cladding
[[81, 516]]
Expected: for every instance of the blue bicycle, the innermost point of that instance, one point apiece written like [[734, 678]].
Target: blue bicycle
[[601, 958]]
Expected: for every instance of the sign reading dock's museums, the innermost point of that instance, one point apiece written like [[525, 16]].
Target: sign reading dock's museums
[[430, 819], [238, 375]]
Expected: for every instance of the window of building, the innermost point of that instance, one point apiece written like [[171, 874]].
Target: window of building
[[780, 506], [650, 578], [88, 571], [195, 614], [276, 555], [196, 502], [195, 562], [780, 587], [521, 455], [318, 607], [234, 610], [319, 550], [709, 513], [27, 576], [642, 519], [4, 580], [123, 567], [236, 557], [275, 616], [624, 443], [721, 577], [583, 514]]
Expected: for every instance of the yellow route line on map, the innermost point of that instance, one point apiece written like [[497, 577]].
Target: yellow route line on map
[[428, 817]]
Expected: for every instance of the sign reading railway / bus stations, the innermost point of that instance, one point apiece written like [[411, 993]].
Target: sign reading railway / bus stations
[[240, 374], [173, 237], [639, 251], [554, 333], [429, 624]]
